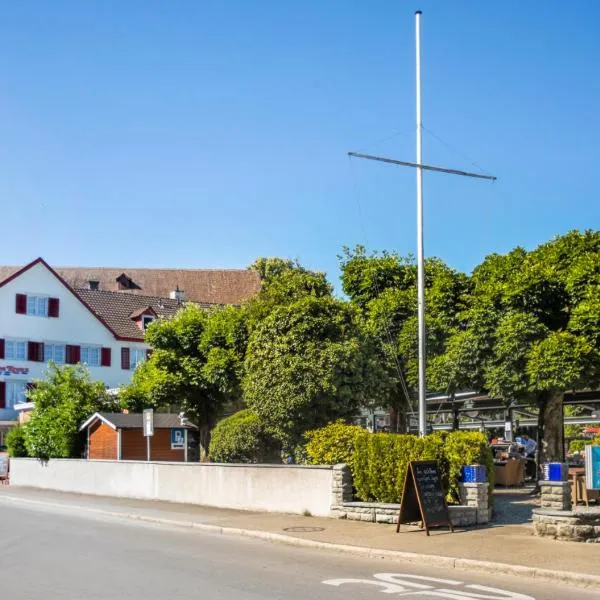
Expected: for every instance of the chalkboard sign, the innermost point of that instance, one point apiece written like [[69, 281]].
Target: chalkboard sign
[[423, 497], [3, 465]]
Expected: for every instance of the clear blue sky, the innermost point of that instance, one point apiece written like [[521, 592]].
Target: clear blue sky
[[190, 133]]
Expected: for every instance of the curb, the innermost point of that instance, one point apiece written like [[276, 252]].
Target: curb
[[583, 580]]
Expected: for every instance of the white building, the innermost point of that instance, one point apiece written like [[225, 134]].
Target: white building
[[43, 318]]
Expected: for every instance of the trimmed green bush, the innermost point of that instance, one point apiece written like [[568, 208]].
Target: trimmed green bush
[[332, 444], [467, 448], [15, 440], [241, 438], [379, 461]]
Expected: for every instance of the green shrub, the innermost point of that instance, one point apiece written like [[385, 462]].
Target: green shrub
[[15, 440], [242, 438], [578, 445], [332, 444], [467, 448], [379, 461]]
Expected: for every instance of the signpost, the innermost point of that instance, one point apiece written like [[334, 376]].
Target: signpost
[[592, 467], [178, 439], [423, 497], [148, 420]]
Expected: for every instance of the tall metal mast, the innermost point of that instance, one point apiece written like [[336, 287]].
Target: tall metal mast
[[420, 247], [420, 167]]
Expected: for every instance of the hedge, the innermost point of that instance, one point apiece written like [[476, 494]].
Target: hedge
[[241, 438], [379, 461]]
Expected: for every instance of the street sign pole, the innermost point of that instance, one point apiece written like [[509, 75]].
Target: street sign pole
[[148, 418]]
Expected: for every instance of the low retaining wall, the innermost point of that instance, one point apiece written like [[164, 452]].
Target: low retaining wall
[[271, 488], [579, 525], [473, 509], [461, 516]]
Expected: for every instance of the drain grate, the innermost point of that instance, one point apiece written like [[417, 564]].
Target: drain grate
[[303, 529]]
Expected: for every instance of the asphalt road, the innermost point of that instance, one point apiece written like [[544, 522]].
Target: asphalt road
[[51, 554]]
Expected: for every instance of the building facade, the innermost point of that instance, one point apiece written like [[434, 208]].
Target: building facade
[[43, 319]]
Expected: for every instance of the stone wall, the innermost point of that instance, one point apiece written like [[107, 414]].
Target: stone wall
[[373, 512], [473, 509], [556, 495], [579, 525]]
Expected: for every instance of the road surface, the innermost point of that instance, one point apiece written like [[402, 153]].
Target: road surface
[[50, 553]]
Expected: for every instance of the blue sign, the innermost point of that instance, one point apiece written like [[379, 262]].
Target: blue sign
[[592, 467], [177, 439]]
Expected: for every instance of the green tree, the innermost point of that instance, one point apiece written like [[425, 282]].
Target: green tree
[[283, 282], [63, 400], [242, 438], [195, 365], [307, 364], [530, 330], [15, 440], [382, 286]]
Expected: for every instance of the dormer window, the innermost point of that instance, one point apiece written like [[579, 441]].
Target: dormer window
[[94, 285], [146, 320], [126, 283], [143, 317]]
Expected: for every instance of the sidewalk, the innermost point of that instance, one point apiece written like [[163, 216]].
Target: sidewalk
[[508, 548]]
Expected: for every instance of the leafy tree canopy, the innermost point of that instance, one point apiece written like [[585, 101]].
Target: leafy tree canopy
[[64, 399], [307, 363]]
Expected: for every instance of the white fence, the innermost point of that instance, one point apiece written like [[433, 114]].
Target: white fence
[[273, 488]]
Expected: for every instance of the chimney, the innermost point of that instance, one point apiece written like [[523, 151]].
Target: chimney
[[178, 295]]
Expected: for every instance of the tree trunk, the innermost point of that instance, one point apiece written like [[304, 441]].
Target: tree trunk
[[550, 430], [204, 439], [539, 451], [554, 450]]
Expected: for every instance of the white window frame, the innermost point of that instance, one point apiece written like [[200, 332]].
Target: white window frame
[[12, 399], [54, 345], [86, 348], [14, 356], [134, 357], [37, 305]]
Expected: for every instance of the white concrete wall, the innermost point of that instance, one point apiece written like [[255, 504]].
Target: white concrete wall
[[272, 488], [74, 325]]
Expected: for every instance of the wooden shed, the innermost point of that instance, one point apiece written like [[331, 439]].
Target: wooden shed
[[120, 436]]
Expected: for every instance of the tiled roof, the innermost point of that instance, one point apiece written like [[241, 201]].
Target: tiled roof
[[214, 286], [199, 285], [116, 308], [218, 286], [134, 420]]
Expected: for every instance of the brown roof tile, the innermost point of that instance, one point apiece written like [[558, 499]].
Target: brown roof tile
[[213, 286], [116, 309]]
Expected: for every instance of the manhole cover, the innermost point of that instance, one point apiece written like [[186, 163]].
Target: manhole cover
[[303, 529]]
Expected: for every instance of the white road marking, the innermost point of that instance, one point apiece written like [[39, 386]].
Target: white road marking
[[402, 585]]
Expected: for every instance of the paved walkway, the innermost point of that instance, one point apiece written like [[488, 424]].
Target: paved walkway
[[514, 506], [502, 542]]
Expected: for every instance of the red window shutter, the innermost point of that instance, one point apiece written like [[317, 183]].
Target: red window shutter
[[73, 354], [125, 358], [29, 387], [2, 394], [105, 356], [53, 307], [35, 351], [21, 304], [1, 348]]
